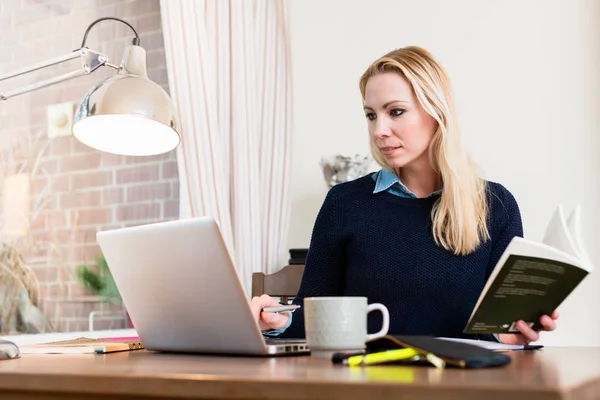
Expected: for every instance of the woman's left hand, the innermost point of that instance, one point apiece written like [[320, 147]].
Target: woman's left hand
[[527, 334]]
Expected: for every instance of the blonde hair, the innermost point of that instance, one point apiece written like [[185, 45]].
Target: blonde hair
[[459, 216]]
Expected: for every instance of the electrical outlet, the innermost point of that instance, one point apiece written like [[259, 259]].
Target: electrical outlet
[[60, 119]]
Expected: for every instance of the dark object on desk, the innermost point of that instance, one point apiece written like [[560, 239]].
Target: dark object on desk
[[298, 256], [8, 350], [442, 353]]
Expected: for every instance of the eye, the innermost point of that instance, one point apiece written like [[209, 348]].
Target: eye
[[396, 112], [371, 116]]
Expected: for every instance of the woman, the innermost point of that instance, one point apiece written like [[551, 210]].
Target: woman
[[421, 235]]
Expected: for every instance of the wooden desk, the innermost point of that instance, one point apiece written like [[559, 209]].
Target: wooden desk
[[552, 373]]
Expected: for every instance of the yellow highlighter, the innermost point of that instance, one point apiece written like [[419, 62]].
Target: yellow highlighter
[[381, 357]]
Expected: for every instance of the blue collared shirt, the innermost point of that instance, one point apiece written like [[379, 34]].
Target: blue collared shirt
[[388, 181]]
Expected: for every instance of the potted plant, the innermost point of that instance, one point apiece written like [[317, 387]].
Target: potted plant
[[100, 282]]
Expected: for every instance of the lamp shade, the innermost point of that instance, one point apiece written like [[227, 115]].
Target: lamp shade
[[128, 114]]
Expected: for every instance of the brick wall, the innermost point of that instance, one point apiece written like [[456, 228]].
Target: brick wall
[[75, 191]]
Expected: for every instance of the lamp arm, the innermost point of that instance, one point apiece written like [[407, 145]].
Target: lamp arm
[[90, 61], [135, 41]]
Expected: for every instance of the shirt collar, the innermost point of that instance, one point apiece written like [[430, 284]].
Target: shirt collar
[[386, 179]]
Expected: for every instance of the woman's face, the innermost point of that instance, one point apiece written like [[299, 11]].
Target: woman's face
[[399, 127]]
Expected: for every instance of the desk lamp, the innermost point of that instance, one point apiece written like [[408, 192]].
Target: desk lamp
[[125, 114]]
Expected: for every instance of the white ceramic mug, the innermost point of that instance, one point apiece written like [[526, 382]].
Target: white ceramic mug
[[339, 324]]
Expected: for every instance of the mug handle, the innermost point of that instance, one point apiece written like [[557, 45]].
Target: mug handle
[[386, 320]]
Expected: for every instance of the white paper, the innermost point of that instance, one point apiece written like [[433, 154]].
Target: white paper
[[486, 344]]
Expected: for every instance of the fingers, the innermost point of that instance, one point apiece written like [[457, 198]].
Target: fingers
[[548, 323], [275, 320], [260, 302], [256, 306], [528, 334], [267, 321]]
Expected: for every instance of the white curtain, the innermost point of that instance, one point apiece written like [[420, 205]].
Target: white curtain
[[230, 77]]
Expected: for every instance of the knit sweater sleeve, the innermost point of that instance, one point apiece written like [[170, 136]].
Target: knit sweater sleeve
[[325, 262], [506, 223]]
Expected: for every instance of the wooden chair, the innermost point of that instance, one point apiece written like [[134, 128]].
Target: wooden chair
[[283, 283]]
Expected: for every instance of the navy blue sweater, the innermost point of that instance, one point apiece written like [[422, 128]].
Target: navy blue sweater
[[381, 246]]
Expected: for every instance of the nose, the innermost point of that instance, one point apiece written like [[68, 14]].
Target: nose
[[381, 128]]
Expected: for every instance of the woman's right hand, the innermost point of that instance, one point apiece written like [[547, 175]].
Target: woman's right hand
[[268, 320]]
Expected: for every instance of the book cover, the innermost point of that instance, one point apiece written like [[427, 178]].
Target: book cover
[[532, 279]]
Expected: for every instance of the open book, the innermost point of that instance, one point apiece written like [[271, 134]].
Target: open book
[[531, 278], [84, 345]]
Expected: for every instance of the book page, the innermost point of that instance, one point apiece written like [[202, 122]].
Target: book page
[[558, 235], [576, 230]]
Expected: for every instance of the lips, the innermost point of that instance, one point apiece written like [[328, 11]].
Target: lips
[[389, 150]]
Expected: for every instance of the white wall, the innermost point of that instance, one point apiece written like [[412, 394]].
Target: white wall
[[526, 79]]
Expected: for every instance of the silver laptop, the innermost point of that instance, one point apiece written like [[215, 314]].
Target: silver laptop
[[182, 292]]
